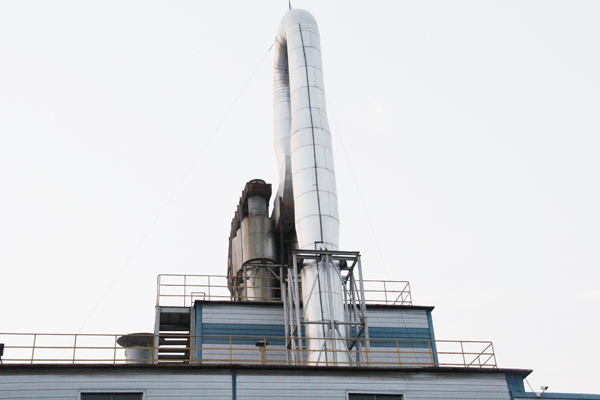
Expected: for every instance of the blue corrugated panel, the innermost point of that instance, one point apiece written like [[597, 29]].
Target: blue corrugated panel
[[220, 333], [250, 334], [403, 337]]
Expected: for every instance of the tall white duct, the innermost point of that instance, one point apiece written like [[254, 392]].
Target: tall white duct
[[305, 159]]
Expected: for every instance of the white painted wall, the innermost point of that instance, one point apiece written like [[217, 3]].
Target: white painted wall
[[254, 386], [155, 384], [251, 384]]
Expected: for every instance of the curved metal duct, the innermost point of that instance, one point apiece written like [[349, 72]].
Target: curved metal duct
[[305, 159]]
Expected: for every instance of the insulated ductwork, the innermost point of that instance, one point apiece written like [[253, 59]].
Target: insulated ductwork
[[307, 179]]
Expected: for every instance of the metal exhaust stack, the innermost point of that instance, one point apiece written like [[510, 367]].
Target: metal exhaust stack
[[139, 347], [307, 179]]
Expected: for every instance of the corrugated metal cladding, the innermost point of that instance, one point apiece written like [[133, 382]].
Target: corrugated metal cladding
[[247, 313], [250, 384], [216, 322], [251, 318], [154, 384]]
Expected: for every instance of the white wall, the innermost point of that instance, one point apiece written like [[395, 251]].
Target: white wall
[[158, 385], [252, 386], [166, 383]]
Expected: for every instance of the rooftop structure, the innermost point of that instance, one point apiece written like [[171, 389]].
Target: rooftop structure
[[293, 317]]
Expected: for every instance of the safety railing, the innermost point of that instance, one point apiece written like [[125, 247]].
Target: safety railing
[[387, 292], [183, 290], [211, 349]]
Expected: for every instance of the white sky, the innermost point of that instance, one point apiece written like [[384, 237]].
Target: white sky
[[472, 128]]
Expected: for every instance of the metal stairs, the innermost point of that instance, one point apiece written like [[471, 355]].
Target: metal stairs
[[172, 331]]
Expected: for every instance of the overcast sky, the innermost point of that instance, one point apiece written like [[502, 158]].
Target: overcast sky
[[470, 129]]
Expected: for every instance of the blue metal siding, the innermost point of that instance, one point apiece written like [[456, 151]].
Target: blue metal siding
[[404, 337], [433, 345], [222, 332], [245, 323], [198, 331], [397, 317]]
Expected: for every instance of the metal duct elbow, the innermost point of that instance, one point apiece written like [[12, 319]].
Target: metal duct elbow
[[305, 159], [302, 137]]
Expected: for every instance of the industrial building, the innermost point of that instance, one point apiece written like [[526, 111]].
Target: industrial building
[[295, 316]]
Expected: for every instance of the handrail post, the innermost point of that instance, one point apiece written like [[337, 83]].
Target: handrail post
[[33, 347], [266, 355], [431, 358], [333, 351], [184, 290], [385, 292], [115, 351], [367, 351], [74, 347], [158, 290]]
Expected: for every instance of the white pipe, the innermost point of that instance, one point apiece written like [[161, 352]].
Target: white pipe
[[305, 159]]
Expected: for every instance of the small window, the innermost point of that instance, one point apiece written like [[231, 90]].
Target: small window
[[373, 396], [111, 396]]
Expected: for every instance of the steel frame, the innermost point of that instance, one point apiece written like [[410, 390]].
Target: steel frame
[[241, 282], [355, 326]]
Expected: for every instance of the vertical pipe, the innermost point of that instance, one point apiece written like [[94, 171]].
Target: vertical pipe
[[305, 157], [233, 384]]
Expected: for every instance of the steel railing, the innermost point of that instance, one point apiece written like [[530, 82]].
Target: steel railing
[[183, 290], [26, 348]]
